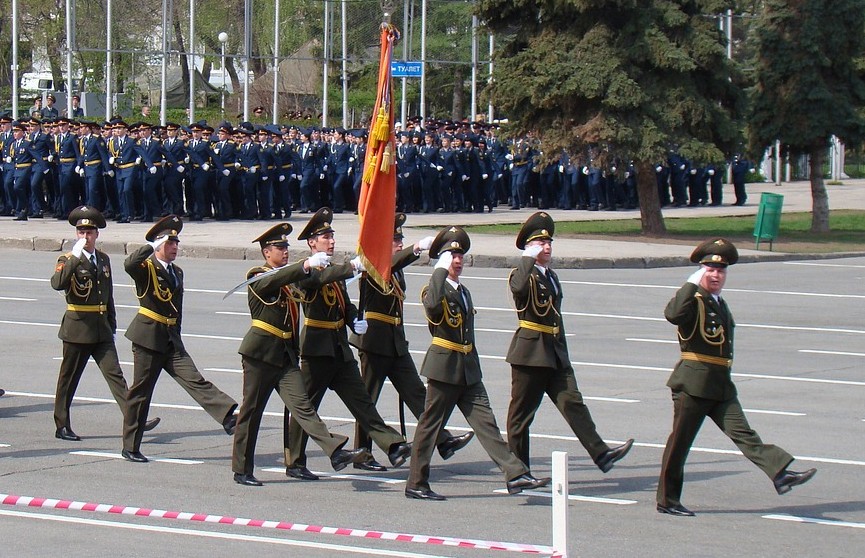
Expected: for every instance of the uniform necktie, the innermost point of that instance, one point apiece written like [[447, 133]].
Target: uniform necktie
[[172, 275], [93, 260]]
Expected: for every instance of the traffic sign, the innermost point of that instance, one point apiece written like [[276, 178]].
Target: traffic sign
[[405, 69]]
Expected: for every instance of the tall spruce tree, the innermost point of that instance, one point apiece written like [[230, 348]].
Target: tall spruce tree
[[635, 77], [809, 83]]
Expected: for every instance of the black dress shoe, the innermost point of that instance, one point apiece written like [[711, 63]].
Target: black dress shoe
[[399, 453], [678, 510], [370, 465], [2, 392], [341, 458], [786, 480], [20, 217], [454, 444], [526, 481], [301, 473], [230, 423], [65, 433], [609, 457], [246, 480], [423, 494], [134, 456], [151, 424]]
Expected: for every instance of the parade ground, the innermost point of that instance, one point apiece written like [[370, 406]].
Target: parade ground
[[800, 350]]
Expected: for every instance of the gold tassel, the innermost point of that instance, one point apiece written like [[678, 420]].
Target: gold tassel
[[368, 171], [386, 159], [381, 131]]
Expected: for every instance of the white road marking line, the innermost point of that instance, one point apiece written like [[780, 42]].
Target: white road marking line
[[341, 476], [574, 497], [664, 341], [4, 445], [34, 279], [841, 353], [118, 456], [230, 370], [17, 299], [814, 520], [818, 264], [782, 413], [216, 535]]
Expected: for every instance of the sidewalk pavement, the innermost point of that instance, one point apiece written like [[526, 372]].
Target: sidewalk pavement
[[233, 239]]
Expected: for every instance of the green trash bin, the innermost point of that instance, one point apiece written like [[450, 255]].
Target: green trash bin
[[768, 218]]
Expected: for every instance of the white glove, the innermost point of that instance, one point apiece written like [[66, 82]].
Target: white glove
[[180, 169], [158, 242], [586, 170], [111, 160], [321, 176], [561, 168], [711, 172], [357, 264], [509, 157], [252, 170], [425, 243], [360, 326], [319, 259], [186, 159], [697, 276], [8, 159], [659, 168], [613, 169], [264, 177], [237, 164], [281, 177], [324, 168], [682, 167], [152, 170], [79, 247], [405, 175], [445, 260], [138, 160], [533, 250], [226, 172], [498, 176], [351, 159], [110, 173], [485, 176], [50, 158], [297, 177], [511, 166], [46, 171], [205, 167], [439, 168], [80, 171], [465, 177], [627, 174], [693, 171]]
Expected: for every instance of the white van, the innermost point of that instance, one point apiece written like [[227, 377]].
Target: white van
[[42, 81]]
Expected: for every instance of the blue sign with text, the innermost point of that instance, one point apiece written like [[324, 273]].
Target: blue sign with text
[[401, 69]]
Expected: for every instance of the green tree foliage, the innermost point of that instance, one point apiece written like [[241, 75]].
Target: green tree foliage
[[633, 77], [809, 83]]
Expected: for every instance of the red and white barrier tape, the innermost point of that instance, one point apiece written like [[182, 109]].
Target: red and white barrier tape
[[48, 503]]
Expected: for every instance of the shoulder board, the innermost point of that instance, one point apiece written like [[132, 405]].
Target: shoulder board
[[257, 270]]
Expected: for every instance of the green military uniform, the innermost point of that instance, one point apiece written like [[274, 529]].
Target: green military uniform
[[702, 385], [538, 353], [383, 349], [156, 341], [88, 326], [270, 358], [453, 370], [327, 358]]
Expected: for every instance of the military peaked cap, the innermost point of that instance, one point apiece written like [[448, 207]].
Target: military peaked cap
[[538, 225], [715, 252], [452, 239]]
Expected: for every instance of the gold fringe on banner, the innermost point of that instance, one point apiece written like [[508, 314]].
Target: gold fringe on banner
[[386, 159]]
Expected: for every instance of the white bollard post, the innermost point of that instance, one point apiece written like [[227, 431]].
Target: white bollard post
[[560, 504]]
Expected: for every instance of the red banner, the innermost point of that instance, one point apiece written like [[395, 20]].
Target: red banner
[[377, 204]]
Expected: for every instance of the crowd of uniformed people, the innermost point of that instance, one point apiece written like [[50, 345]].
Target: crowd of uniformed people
[[141, 172]]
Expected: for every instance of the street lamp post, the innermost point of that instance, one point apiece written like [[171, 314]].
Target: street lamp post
[[223, 38]]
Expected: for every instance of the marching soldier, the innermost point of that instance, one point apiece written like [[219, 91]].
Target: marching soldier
[[8, 168], [93, 165], [66, 147], [453, 370], [328, 362], [155, 336], [270, 355], [172, 184], [250, 164], [226, 150], [21, 159], [538, 353], [90, 322], [383, 349], [701, 382]]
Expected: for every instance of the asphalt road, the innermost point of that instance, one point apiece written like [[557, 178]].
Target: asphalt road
[[799, 354]]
